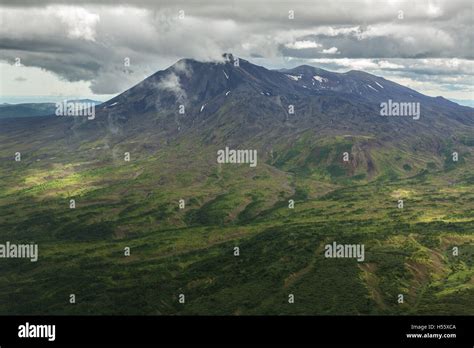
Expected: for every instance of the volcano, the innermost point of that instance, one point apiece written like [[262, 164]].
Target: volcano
[[169, 170]]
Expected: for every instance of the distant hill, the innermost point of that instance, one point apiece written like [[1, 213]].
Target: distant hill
[[34, 109], [465, 102]]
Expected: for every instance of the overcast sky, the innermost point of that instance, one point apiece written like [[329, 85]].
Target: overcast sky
[[80, 49]]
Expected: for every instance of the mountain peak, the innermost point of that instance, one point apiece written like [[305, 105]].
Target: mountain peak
[[311, 68], [358, 73], [207, 87], [228, 57]]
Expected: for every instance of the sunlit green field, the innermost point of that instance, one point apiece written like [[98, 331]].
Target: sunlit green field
[[190, 251]]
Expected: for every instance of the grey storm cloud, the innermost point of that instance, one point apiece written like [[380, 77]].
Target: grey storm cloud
[[91, 40]]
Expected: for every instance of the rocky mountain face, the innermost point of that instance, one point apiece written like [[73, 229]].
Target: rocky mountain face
[[291, 116]]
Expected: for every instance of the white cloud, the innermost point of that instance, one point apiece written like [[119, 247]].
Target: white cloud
[[298, 45], [383, 64], [332, 50], [434, 10], [348, 64], [183, 68], [171, 83], [81, 23]]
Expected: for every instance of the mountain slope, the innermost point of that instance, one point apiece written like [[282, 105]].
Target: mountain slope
[[249, 106], [136, 203], [221, 104]]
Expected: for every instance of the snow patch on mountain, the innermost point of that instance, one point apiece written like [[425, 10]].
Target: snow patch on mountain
[[294, 77], [320, 79], [372, 88]]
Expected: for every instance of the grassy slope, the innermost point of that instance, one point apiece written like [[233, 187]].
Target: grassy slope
[[190, 251]]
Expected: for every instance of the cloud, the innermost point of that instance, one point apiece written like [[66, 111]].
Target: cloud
[[348, 64], [332, 50], [298, 45], [182, 68], [383, 64], [171, 83], [88, 41], [81, 24]]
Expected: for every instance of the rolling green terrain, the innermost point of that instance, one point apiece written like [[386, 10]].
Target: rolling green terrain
[[191, 251]]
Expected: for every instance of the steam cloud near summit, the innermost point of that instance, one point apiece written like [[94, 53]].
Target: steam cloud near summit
[[172, 84]]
